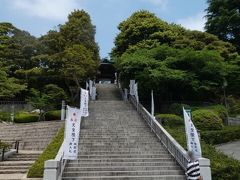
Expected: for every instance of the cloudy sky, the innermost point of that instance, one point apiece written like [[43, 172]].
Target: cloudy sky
[[39, 16]]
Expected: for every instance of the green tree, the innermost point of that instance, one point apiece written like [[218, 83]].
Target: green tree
[[9, 86], [223, 20], [79, 30]]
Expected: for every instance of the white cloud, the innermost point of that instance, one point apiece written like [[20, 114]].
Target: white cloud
[[48, 9], [160, 3], [194, 22]]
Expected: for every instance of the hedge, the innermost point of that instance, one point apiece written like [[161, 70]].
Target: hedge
[[230, 133], [37, 169], [169, 119], [25, 117], [53, 115], [222, 166], [5, 116], [206, 120]]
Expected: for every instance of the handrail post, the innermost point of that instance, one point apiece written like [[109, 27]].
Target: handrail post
[[205, 169], [3, 151], [51, 168]]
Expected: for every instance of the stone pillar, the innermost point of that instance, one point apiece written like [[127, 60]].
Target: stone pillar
[[63, 110], [51, 170], [205, 169], [125, 94]]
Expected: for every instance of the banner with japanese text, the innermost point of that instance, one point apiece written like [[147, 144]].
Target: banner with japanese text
[[84, 103], [193, 142], [72, 131]]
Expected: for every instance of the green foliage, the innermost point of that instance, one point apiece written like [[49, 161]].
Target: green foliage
[[53, 115], [170, 120], [9, 86], [222, 166], [220, 110], [25, 117], [37, 169], [5, 116], [178, 64], [4, 145], [177, 108], [206, 120], [223, 20], [227, 134], [234, 105]]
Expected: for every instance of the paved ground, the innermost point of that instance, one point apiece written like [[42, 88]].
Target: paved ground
[[231, 149]]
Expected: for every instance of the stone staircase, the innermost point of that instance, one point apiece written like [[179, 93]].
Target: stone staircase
[[115, 143], [17, 166], [33, 138]]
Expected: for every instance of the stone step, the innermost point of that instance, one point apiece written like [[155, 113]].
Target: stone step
[[145, 177], [124, 156], [167, 159], [15, 167], [16, 163], [21, 158], [124, 164], [121, 168], [11, 171], [122, 173], [122, 153]]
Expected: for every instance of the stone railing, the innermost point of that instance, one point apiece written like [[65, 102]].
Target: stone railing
[[175, 149], [233, 121], [53, 168]]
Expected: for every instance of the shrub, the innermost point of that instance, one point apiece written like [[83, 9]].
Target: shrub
[[221, 136], [234, 105], [170, 119], [206, 120], [220, 110], [5, 116], [37, 169], [25, 117], [4, 145], [177, 109], [53, 115]]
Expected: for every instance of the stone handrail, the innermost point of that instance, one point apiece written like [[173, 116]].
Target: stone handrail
[[174, 148]]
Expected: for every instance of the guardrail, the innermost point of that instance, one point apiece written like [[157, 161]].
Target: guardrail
[[174, 148]]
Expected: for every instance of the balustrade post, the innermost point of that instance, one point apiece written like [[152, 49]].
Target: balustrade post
[[51, 170], [205, 169]]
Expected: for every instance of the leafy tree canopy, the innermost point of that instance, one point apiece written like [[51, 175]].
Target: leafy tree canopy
[[223, 20]]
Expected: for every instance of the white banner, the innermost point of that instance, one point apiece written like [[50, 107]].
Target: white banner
[[90, 86], [136, 91], [131, 87], [193, 142], [84, 103], [152, 104], [72, 131]]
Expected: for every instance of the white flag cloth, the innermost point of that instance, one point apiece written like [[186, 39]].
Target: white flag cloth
[[136, 91], [152, 104], [90, 86], [131, 86], [72, 131], [193, 142], [84, 103]]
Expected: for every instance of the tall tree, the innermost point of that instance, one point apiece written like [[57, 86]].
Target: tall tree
[[223, 20], [79, 30]]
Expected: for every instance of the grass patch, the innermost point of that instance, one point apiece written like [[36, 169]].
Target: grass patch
[[37, 169]]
